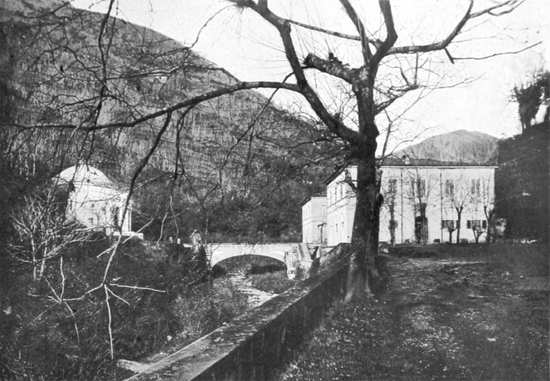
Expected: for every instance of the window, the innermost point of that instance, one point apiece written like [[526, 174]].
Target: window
[[475, 188], [419, 187], [449, 224], [392, 186], [471, 224], [449, 188]]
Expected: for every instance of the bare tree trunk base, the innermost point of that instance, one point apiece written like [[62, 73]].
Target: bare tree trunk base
[[357, 286]]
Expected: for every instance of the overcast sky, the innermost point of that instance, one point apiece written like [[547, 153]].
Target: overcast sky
[[250, 49]]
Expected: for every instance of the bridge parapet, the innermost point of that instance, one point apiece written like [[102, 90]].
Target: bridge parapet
[[298, 257], [256, 344]]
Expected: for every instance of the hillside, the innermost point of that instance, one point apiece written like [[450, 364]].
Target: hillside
[[459, 146], [54, 71], [521, 183]]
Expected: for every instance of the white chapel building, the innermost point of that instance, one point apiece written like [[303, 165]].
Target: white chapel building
[[408, 187], [94, 200]]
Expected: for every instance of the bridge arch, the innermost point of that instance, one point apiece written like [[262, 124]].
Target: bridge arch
[[249, 263], [221, 251]]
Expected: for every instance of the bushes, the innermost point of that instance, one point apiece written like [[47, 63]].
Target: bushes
[[276, 282], [67, 341], [206, 307]]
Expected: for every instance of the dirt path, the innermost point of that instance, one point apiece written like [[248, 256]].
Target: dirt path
[[438, 320]]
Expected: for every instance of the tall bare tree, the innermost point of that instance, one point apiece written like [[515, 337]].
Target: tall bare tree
[[372, 94]]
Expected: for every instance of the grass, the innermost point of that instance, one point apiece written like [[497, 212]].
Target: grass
[[528, 259], [439, 320]]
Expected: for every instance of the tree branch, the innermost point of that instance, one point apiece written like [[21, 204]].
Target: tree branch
[[391, 34], [183, 104], [332, 66], [436, 45], [283, 27], [352, 14]]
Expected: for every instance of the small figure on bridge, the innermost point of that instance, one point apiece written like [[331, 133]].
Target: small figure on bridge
[[199, 258], [196, 238]]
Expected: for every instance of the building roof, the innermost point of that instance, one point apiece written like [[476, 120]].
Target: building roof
[[408, 162], [85, 174], [316, 195]]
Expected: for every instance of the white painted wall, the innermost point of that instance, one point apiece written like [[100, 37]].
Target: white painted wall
[[314, 217], [96, 206], [439, 202], [95, 201], [340, 208]]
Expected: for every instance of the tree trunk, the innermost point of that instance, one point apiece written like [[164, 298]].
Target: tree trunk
[[33, 251], [365, 226], [458, 223], [42, 267], [393, 222], [489, 214]]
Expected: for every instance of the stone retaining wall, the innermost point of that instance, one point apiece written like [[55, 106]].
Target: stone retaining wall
[[256, 344]]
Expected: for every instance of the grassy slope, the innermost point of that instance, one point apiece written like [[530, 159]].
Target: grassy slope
[[440, 320]]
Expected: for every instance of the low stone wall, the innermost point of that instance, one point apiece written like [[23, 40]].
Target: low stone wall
[[256, 344]]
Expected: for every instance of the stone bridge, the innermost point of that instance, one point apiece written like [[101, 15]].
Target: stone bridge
[[297, 257]]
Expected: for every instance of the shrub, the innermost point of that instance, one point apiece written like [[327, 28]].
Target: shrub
[[276, 282]]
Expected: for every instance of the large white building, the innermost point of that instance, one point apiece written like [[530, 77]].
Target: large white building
[[420, 202], [94, 200]]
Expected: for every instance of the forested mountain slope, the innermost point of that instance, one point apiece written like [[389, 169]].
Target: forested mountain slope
[[68, 67]]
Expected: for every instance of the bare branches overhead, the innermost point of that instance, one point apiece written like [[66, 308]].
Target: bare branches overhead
[[439, 45], [352, 14], [283, 27]]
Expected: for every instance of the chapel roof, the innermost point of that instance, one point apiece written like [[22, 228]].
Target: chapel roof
[[85, 174]]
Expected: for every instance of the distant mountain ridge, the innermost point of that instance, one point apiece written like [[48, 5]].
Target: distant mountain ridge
[[461, 146]]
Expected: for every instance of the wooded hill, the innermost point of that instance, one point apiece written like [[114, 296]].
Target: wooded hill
[[238, 164], [459, 146]]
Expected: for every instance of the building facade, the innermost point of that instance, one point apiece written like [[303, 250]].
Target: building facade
[[421, 203], [95, 201], [314, 220]]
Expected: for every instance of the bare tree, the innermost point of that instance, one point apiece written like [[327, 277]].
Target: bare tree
[[390, 199], [419, 187], [372, 95], [44, 233], [459, 197], [477, 230], [488, 204], [531, 96]]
